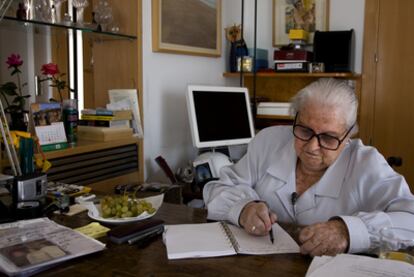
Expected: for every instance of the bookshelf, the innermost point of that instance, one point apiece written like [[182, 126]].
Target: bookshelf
[[121, 69], [281, 87]]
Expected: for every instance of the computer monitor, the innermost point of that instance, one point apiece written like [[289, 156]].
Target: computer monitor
[[219, 116]]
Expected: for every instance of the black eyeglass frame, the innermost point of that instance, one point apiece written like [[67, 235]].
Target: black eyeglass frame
[[318, 135]]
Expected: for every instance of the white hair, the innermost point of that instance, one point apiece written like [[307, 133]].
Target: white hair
[[329, 92]]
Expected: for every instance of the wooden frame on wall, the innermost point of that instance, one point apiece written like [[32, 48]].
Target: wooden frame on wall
[[190, 27], [310, 15]]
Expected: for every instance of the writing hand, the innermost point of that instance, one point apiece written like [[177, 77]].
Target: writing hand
[[256, 218], [328, 238]]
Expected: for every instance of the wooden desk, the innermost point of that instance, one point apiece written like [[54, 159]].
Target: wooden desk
[[126, 260]]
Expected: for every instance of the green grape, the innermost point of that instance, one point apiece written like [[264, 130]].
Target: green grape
[[123, 206]]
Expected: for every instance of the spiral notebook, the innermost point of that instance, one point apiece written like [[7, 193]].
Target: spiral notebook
[[222, 239]]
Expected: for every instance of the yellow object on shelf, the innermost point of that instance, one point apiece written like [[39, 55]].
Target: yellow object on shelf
[[298, 34]]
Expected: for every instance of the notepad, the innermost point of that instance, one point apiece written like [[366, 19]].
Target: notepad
[[222, 239]]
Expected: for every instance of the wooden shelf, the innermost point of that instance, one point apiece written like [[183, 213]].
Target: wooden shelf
[[347, 75], [85, 146], [279, 117]]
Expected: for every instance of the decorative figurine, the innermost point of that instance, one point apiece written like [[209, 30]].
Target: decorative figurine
[[238, 46]]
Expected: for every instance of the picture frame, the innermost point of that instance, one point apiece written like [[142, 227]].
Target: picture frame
[[310, 15], [190, 27]]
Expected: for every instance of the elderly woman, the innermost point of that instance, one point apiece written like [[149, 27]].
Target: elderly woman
[[313, 174]]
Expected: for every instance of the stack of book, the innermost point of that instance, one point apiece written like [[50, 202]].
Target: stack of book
[[104, 124], [296, 58]]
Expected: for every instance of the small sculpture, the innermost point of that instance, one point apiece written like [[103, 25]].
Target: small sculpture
[[238, 46]]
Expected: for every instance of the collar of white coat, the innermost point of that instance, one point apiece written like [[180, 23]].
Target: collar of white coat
[[331, 182]]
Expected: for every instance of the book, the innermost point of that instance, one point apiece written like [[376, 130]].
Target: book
[[121, 114], [105, 123], [222, 239], [30, 246], [291, 67], [273, 108], [105, 117], [103, 133], [125, 232], [127, 98]]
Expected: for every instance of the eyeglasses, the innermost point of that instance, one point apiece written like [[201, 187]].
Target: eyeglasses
[[325, 141]]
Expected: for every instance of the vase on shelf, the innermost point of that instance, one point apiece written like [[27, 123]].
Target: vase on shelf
[[58, 10], [103, 15], [80, 6]]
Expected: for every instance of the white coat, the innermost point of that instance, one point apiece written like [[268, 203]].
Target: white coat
[[359, 187]]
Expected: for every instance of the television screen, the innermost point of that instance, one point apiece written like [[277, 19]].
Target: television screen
[[219, 116]]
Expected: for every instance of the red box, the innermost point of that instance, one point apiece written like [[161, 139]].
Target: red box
[[292, 55]]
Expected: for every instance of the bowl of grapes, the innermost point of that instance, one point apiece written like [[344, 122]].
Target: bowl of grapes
[[119, 209]]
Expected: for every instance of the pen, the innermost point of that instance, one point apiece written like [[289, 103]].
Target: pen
[[147, 235], [294, 198], [272, 239]]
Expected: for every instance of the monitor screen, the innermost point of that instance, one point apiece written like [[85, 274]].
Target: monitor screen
[[219, 116]]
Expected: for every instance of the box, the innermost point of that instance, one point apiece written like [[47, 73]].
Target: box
[[291, 67], [292, 55], [298, 34], [261, 54], [273, 108]]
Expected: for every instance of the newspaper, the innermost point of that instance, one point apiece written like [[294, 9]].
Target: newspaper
[[30, 246]]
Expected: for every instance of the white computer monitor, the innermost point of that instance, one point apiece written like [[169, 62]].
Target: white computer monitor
[[219, 116]]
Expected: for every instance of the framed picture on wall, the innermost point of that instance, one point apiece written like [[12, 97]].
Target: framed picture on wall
[[309, 15], [191, 27]]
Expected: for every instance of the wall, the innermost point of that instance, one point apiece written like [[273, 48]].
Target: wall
[[166, 76]]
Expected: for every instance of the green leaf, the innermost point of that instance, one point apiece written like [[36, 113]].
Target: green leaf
[[9, 88]]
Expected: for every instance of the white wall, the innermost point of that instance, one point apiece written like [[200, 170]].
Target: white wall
[[166, 76]]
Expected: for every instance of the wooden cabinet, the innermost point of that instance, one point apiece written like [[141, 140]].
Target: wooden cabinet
[[281, 87], [98, 165], [388, 90]]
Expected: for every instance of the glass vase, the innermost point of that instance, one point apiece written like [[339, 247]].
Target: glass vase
[[103, 15], [80, 6]]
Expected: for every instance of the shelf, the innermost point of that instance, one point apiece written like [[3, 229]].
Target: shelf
[[278, 117], [87, 28], [85, 146], [347, 75]]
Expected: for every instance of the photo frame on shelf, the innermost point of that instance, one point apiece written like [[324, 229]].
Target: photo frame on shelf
[[309, 15], [187, 27]]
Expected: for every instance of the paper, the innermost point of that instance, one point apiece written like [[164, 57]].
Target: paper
[[197, 241], [221, 239], [93, 230], [127, 99], [29, 246], [260, 245], [346, 265]]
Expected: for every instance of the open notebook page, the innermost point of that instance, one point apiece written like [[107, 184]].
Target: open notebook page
[[197, 240], [261, 245]]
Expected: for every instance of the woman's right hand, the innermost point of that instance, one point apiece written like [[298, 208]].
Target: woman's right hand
[[256, 218]]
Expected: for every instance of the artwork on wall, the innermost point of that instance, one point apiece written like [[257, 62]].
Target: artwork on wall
[[191, 27], [309, 15]]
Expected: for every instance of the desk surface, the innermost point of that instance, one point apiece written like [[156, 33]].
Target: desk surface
[[129, 260]]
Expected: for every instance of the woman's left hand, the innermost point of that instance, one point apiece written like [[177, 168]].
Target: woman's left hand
[[328, 238]]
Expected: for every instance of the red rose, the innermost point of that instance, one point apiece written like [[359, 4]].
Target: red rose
[[14, 60], [50, 69]]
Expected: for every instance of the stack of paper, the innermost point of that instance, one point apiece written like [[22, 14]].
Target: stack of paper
[[346, 265]]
